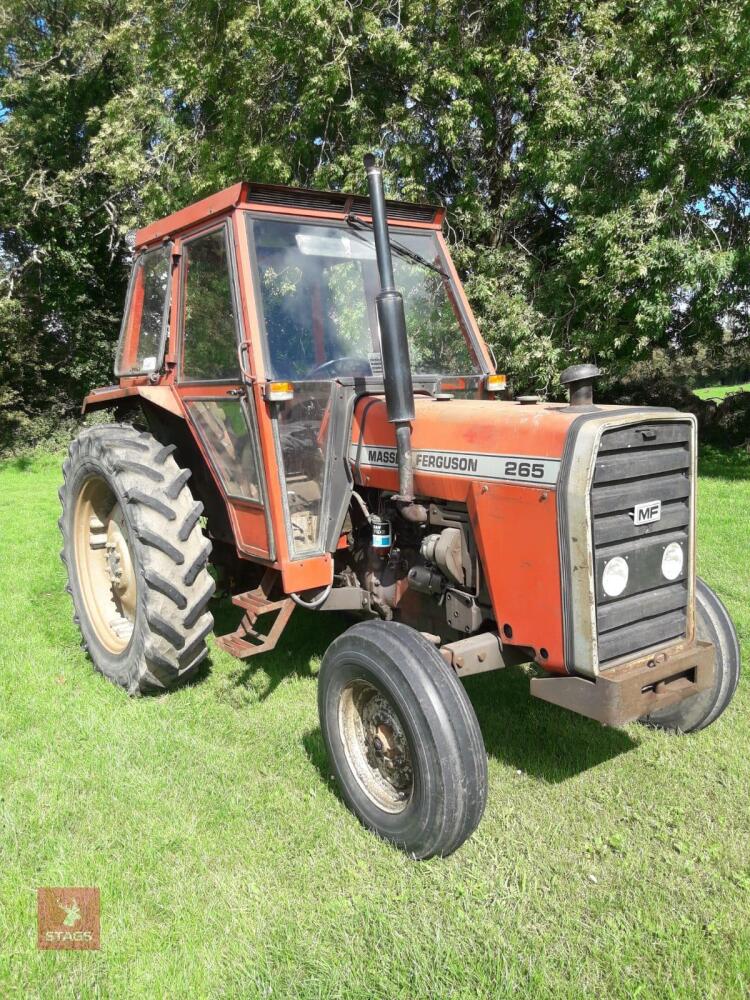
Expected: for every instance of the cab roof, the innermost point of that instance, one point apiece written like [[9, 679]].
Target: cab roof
[[289, 200]]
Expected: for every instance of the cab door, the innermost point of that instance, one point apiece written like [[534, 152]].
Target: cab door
[[219, 409], [315, 337]]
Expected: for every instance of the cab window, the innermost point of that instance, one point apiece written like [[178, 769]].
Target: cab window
[[144, 327], [222, 425], [317, 289], [209, 322]]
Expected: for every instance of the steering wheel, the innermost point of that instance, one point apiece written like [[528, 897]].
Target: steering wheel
[[346, 366]]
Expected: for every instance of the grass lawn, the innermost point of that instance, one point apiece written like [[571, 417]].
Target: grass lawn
[[721, 391], [610, 863]]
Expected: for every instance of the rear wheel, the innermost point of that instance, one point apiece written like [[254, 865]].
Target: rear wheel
[[402, 737], [714, 625], [136, 558]]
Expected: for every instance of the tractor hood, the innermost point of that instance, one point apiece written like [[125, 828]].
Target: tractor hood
[[458, 442]]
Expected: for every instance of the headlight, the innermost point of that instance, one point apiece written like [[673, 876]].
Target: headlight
[[672, 561], [615, 576]]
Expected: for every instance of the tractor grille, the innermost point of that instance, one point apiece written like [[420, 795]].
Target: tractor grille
[[636, 465]]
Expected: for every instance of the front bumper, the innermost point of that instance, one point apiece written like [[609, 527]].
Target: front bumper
[[632, 690]]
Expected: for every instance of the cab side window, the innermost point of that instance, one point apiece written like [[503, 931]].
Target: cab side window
[[223, 428], [145, 325], [209, 325]]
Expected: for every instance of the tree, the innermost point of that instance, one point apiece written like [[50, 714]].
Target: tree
[[594, 161]]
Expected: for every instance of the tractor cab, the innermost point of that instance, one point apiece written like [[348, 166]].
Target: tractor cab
[[254, 312]]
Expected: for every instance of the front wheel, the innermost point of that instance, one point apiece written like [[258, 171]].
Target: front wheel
[[402, 737], [714, 625]]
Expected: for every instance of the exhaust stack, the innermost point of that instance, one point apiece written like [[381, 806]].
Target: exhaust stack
[[399, 391]]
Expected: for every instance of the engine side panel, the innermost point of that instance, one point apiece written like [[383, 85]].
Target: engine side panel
[[516, 533]]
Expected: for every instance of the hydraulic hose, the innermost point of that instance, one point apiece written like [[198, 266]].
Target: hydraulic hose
[[315, 602]]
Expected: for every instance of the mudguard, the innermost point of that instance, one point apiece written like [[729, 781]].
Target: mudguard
[[162, 396]]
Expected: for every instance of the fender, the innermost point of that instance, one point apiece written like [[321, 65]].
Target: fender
[[162, 396]]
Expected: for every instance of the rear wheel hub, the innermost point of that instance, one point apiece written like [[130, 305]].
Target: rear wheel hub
[[104, 564]]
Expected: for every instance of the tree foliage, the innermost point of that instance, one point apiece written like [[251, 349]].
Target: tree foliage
[[594, 158]]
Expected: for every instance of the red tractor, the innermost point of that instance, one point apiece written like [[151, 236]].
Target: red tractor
[[325, 428]]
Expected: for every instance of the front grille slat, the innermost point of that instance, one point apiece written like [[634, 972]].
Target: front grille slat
[[624, 496], [639, 436], [645, 634], [643, 556], [635, 465], [619, 527], [641, 606]]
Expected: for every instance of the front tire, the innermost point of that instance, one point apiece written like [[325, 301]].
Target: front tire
[[136, 558], [402, 738], [714, 625]]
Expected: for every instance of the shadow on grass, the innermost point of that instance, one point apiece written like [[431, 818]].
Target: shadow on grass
[[522, 732], [198, 676], [21, 464], [723, 463], [298, 654], [535, 737], [34, 460], [315, 748]]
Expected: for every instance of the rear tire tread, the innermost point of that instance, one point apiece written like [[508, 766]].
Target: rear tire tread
[[157, 541], [165, 534], [200, 605], [157, 582], [149, 500], [200, 561], [122, 465]]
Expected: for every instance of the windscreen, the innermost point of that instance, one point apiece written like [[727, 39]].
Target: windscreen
[[317, 286]]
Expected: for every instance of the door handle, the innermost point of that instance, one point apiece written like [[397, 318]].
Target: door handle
[[244, 355]]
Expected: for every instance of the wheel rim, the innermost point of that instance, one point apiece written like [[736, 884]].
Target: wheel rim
[[376, 746], [104, 564]]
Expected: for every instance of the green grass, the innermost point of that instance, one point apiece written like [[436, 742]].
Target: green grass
[[721, 391], [610, 863]]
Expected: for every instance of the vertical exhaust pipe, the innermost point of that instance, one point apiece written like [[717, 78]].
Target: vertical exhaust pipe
[[399, 390]]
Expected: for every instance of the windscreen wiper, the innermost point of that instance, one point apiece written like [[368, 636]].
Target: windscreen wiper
[[357, 223]]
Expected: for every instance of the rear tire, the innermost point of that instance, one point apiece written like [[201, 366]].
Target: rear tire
[[713, 624], [136, 558], [402, 738]]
